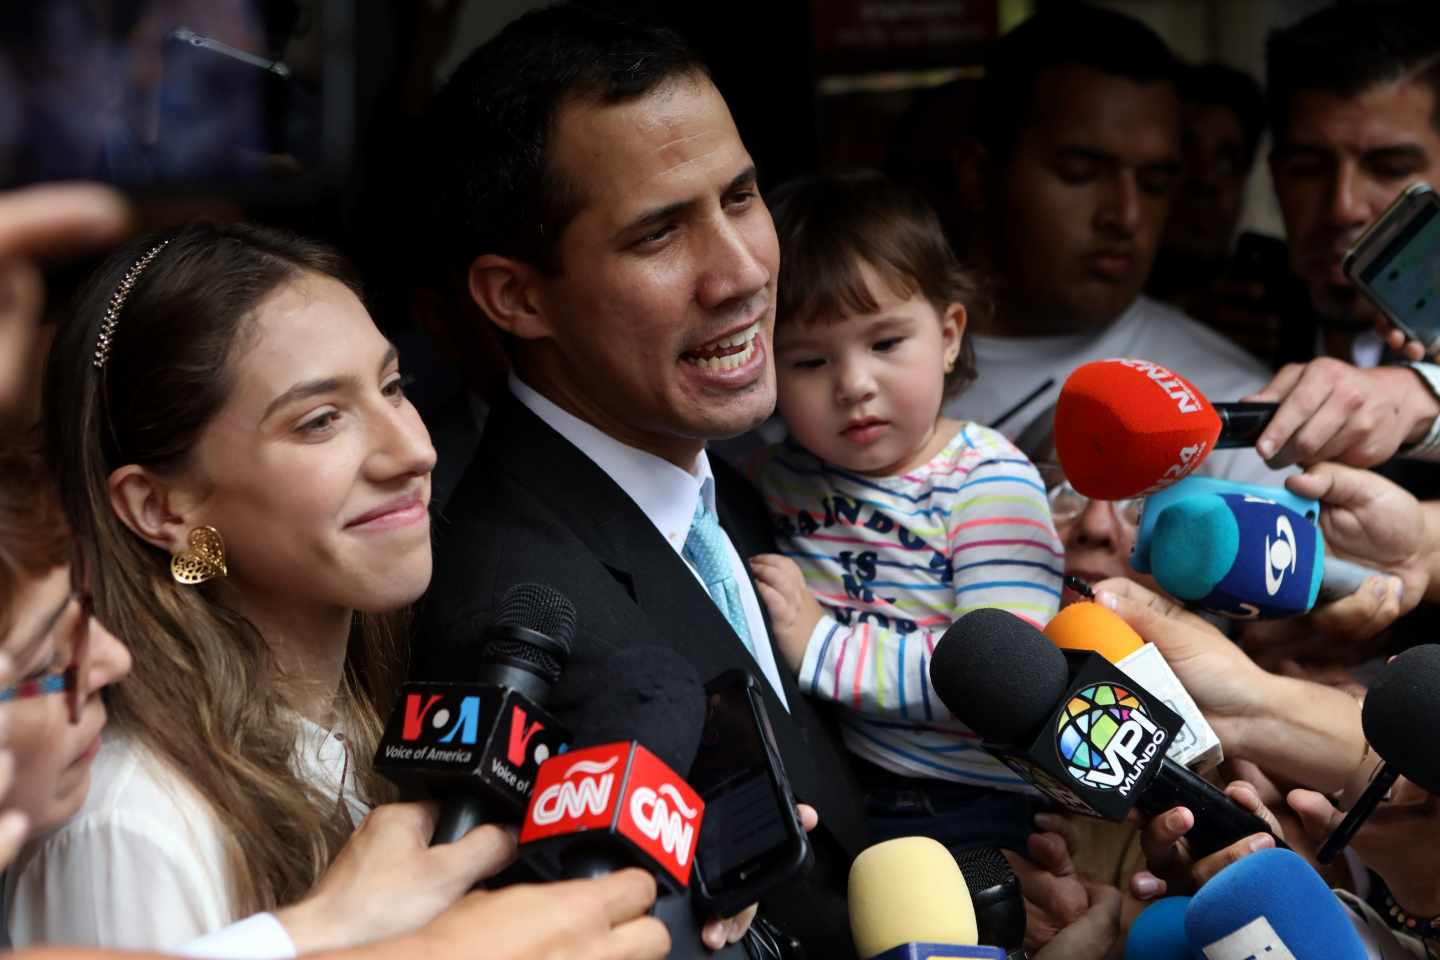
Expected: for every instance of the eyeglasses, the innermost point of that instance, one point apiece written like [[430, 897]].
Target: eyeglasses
[[72, 648], [1067, 503]]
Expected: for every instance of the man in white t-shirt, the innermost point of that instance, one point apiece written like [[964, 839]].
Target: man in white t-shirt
[[1079, 149]]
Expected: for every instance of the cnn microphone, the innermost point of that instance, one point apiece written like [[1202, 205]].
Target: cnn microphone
[[478, 746], [1076, 727], [997, 899], [1270, 904], [908, 901], [1126, 428], [1242, 551], [1399, 708], [615, 800], [1089, 626], [1159, 932]]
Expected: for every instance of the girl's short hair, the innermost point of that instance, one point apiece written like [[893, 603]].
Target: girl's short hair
[[829, 224]]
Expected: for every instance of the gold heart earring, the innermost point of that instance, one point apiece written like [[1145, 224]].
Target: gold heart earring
[[204, 560]]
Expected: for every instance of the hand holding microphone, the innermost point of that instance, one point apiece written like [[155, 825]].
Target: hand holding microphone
[[1330, 410]]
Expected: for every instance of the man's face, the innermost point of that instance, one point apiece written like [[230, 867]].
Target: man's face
[[1211, 191], [661, 317], [1084, 197], [1337, 165]]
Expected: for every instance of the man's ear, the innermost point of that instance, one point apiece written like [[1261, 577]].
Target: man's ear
[[151, 508], [504, 290]]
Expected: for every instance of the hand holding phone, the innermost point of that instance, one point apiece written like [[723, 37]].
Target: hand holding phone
[[1396, 264], [752, 838]]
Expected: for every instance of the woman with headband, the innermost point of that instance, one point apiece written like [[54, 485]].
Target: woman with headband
[[233, 445]]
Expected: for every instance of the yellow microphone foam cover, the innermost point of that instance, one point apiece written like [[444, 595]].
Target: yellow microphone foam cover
[[908, 890], [1089, 626]]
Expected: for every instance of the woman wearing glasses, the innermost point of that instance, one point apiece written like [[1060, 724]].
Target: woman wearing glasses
[[60, 656], [232, 442]]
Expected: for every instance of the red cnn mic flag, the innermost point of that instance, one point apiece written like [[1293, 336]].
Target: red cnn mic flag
[[618, 797]]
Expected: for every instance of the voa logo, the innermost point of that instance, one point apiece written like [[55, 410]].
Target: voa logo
[[1107, 739], [573, 798], [418, 716], [673, 828]]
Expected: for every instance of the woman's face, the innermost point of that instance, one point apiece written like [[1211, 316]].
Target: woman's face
[[52, 754], [316, 471]]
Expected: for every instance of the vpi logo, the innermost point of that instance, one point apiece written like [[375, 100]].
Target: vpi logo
[[1280, 555], [520, 737], [1106, 737], [571, 799], [674, 829], [466, 725]]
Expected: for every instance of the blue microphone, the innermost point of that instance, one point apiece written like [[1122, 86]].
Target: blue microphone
[[1271, 904], [1159, 933], [1246, 552]]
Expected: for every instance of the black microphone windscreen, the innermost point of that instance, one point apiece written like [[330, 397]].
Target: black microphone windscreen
[[1400, 710], [985, 868], [533, 608], [998, 675], [650, 694]]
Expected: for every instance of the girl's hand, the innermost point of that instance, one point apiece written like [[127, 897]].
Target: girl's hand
[[794, 612]]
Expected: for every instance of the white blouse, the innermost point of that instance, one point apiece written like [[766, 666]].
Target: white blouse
[[143, 865]]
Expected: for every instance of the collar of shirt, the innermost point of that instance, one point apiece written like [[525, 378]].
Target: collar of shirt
[[664, 493]]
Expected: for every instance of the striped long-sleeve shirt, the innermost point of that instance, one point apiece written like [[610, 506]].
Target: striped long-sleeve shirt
[[894, 561]]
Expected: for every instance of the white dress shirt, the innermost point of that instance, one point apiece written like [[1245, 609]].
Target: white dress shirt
[[667, 495], [142, 865]]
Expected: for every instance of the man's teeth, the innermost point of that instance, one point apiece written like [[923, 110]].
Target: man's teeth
[[745, 338]]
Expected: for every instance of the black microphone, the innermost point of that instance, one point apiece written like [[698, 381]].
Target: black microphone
[[478, 746], [1077, 728], [616, 799], [998, 900], [1399, 712]]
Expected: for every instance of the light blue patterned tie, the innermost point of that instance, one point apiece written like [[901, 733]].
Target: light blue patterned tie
[[705, 550]]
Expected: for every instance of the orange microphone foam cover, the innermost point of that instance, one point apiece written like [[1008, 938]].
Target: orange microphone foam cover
[[1124, 428], [1089, 626]]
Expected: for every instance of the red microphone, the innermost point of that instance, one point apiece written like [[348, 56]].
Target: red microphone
[[1126, 428], [598, 810]]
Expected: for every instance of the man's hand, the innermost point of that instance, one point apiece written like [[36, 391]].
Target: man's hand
[[1397, 341], [794, 611], [1397, 841], [1095, 934], [717, 933], [388, 880], [1225, 684], [1171, 867], [36, 222], [601, 919], [1055, 894], [1330, 410]]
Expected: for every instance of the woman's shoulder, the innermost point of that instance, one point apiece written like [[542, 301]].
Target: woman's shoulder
[[134, 794]]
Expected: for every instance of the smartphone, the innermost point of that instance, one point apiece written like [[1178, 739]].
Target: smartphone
[[751, 839], [1396, 264]]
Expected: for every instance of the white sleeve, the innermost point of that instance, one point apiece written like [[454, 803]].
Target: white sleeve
[[261, 937], [117, 880]]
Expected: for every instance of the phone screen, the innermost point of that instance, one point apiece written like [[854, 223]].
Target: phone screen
[[746, 819], [1405, 277]]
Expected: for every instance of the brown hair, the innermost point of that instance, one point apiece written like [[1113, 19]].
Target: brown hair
[[34, 538], [829, 224], [205, 694]]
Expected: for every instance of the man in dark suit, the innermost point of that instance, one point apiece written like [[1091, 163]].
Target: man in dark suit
[[601, 206]]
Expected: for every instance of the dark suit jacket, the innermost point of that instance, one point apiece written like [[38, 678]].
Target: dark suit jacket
[[533, 508]]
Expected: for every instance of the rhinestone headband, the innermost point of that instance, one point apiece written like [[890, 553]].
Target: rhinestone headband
[[117, 300]]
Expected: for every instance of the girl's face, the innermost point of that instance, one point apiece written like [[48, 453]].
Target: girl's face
[[863, 391], [57, 647], [316, 471]]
